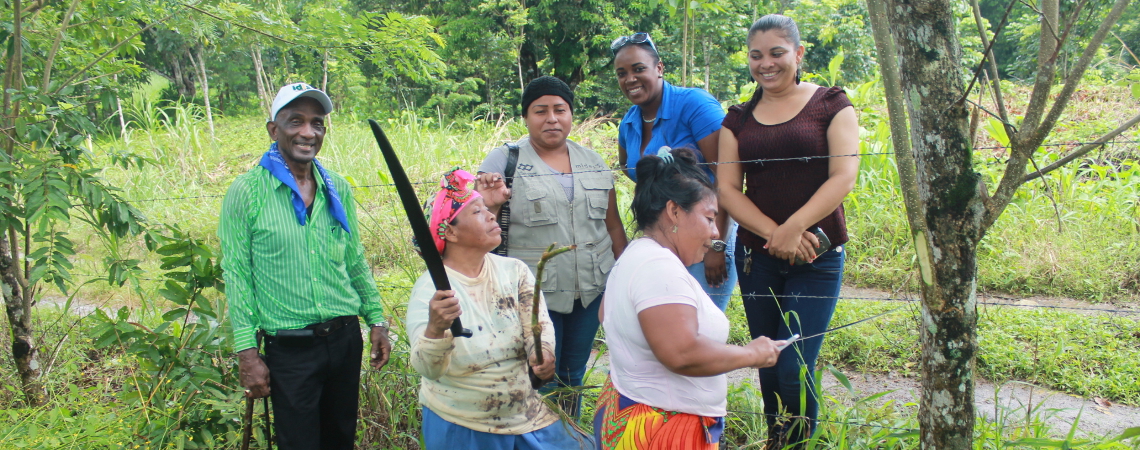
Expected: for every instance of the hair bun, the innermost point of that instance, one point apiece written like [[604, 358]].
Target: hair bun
[[673, 176]]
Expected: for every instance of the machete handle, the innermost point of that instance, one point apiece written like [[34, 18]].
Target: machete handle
[[420, 229]]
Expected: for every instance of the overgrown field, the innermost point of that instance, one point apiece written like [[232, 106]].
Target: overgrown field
[[1073, 235]]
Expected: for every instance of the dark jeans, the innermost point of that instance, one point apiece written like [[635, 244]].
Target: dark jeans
[[574, 334], [314, 390], [781, 300]]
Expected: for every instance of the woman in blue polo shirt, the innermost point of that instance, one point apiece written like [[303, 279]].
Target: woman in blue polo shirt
[[664, 115]]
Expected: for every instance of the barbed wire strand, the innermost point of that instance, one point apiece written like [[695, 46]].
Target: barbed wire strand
[[749, 161], [393, 287]]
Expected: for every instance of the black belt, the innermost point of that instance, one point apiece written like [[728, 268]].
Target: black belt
[[326, 328]]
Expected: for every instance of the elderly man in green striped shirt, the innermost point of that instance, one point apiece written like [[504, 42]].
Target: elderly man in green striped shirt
[[295, 272]]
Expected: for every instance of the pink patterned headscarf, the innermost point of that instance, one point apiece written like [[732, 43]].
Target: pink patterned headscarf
[[452, 197]]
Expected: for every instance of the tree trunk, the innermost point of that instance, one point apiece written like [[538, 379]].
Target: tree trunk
[[708, 66], [953, 197], [181, 81], [259, 73], [13, 288], [325, 72], [528, 60], [685, 46], [952, 210], [19, 309], [205, 81]]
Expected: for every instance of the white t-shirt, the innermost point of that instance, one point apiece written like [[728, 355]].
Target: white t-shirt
[[645, 276]]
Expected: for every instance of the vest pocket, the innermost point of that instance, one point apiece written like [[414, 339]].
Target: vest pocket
[[597, 196], [550, 275], [538, 209], [603, 263]]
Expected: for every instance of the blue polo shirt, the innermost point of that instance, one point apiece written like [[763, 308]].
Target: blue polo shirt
[[686, 116]]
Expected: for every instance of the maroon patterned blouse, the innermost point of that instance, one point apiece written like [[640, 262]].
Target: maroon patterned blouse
[[780, 188]]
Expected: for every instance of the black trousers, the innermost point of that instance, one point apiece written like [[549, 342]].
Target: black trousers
[[315, 390]]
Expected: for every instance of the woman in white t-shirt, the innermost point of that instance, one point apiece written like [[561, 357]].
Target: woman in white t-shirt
[[666, 338]]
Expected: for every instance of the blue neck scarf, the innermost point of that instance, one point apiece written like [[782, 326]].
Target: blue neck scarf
[[275, 164]]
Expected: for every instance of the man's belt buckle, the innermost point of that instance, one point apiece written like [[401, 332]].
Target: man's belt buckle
[[326, 328]]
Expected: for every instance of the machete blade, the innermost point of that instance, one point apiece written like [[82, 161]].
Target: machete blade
[[420, 228]]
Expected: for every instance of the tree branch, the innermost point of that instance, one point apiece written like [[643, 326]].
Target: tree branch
[[160, 72], [55, 45], [987, 54], [1069, 27], [1084, 149], [110, 51], [888, 58], [1074, 78], [999, 99], [1033, 134], [12, 75], [1125, 46], [1046, 72], [34, 7]]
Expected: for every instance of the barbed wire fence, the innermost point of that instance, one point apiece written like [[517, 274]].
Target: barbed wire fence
[[906, 300]]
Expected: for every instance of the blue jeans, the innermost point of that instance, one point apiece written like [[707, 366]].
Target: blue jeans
[[441, 434], [721, 295], [574, 334], [780, 300]]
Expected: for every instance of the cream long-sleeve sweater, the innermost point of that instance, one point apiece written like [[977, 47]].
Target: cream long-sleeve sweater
[[481, 382]]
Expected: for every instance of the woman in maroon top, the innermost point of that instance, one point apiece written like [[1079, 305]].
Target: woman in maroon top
[[780, 205]]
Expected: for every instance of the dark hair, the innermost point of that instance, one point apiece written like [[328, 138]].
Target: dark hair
[[644, 45], [659, 181], [783, 24]]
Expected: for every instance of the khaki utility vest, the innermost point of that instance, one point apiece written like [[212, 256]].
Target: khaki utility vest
[[541, 215]]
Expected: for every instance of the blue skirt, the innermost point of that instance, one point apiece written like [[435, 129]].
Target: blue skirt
[[440, 434]]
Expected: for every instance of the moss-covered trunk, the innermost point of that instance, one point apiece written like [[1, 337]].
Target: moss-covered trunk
[[952, 197], [18, 308]]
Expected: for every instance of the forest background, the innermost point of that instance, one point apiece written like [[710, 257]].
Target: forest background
[[126, 120]]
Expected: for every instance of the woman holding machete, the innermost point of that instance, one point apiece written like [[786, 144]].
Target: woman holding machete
[[475, 392]]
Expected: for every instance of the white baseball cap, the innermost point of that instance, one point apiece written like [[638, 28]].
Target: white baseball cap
[[291, 92]]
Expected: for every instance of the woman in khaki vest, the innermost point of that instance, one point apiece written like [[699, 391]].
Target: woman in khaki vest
[[562, 193]]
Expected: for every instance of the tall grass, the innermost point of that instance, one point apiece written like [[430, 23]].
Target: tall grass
[[1025, 253]]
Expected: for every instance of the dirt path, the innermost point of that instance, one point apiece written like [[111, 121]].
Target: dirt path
[[1011, 400]]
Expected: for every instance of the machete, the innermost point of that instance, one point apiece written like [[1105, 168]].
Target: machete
[[420, 228]]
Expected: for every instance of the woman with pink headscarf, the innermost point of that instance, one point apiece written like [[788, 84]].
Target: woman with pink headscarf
[[476, 392]]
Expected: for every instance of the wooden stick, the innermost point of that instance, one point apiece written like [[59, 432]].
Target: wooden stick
[[536, 329]]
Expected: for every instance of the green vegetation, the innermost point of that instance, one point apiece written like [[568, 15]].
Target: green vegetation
[[189, 172], [126, 121]]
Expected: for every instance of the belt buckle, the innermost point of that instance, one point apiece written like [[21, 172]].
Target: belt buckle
[[324, 329]]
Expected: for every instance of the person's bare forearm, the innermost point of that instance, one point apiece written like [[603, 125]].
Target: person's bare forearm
[[747, 214], [825, 201], [706, 357]]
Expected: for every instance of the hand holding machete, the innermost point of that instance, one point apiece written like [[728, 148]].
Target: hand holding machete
[[420, 228]]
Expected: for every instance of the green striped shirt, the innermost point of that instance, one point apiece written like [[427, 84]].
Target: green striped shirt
[[281, 275]]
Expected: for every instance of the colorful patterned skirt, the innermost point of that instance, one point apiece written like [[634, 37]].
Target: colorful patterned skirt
[[623, 424]]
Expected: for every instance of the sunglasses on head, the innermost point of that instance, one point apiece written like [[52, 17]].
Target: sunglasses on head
[[635, 38]]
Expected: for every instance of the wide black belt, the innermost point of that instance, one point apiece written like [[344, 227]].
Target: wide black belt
[[304, 337], [326, 328]]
